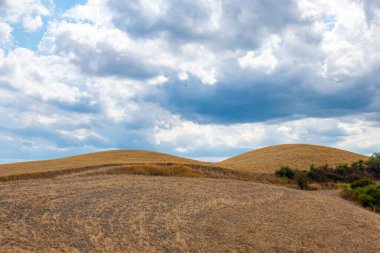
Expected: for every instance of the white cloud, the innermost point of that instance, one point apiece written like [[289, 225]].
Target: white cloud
[[32, 24], [263, 59], [80, 134], [161, 79], [5, 33], [16, 11], [354, 134], [45, 77], [101, 68]]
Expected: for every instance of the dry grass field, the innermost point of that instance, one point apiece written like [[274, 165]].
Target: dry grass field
[[265, 160], [88, 161], [141, 201], [297, 156], [129, 213]]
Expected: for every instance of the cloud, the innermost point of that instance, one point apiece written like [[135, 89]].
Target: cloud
[[197, 78], [44, 77], [5, 33], [32, 24], [372, 10], [232, 24], [27, 12], [263, 60], [220, 140]]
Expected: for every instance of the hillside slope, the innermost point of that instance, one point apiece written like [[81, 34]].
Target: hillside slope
[[165, 214], [298, 156], [93, 159]]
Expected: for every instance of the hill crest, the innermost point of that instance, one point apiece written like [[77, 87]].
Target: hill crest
[[263, 160], [297, 156]]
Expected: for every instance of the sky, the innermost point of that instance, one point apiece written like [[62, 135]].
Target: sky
[[205, 79]]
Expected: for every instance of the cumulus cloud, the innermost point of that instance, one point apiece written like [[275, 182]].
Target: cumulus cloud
[[29, 12], [219, 140], [199, 78], [32, 24], [230, 24], [44, 77], [5, 33]]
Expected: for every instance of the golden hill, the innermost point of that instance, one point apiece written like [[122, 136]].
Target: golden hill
[[101, 159], [126, 213], [297, 156], [264, 160]]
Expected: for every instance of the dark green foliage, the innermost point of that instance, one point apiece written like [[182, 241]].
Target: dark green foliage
[[358, 166], [300, 177], [297, 176], [323, 174], [368, 195], [342, 169], [345, 173], [285, 171], [374, 164], [361, 183], [360, 170]]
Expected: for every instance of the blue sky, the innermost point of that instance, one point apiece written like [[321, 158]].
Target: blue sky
[[204, 79]]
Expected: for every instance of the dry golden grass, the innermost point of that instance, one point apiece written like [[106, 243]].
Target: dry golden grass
[[265, 160], [187, 170], [87, 161], [297, 156], [126, 213], [141, 201]]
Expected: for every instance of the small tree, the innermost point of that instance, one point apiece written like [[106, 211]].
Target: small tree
[[342, 169], [285, 171], [301, 179], [374, 164]]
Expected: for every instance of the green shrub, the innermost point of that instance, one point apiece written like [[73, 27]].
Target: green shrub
[[342, 169], [285, 171], [361, 183], [373, 164], [358, 165], [367, 195], [300, 176], [324, 174]]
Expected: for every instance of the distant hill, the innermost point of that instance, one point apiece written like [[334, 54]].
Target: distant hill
[[298, 156], [93, 159], [264, 160]]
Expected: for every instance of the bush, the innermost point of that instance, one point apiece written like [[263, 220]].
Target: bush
[[358, 165], [367, 195], [285, 171], [300, 176], [342, 169], [373, 164], [324, 174], [361, 183]]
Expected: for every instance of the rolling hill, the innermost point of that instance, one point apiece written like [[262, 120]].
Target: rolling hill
[[99, 159], [297, 156], [127, 213], [101, 208], [264, 160]]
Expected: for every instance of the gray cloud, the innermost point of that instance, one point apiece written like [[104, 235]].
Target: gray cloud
[[300, 82], [103, 60], [260, 99], [222, 24], [370, 7]]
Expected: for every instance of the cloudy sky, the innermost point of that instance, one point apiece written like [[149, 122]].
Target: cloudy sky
[[206, 79]]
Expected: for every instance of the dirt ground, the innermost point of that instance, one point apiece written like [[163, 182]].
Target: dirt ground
[[125, 213]]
